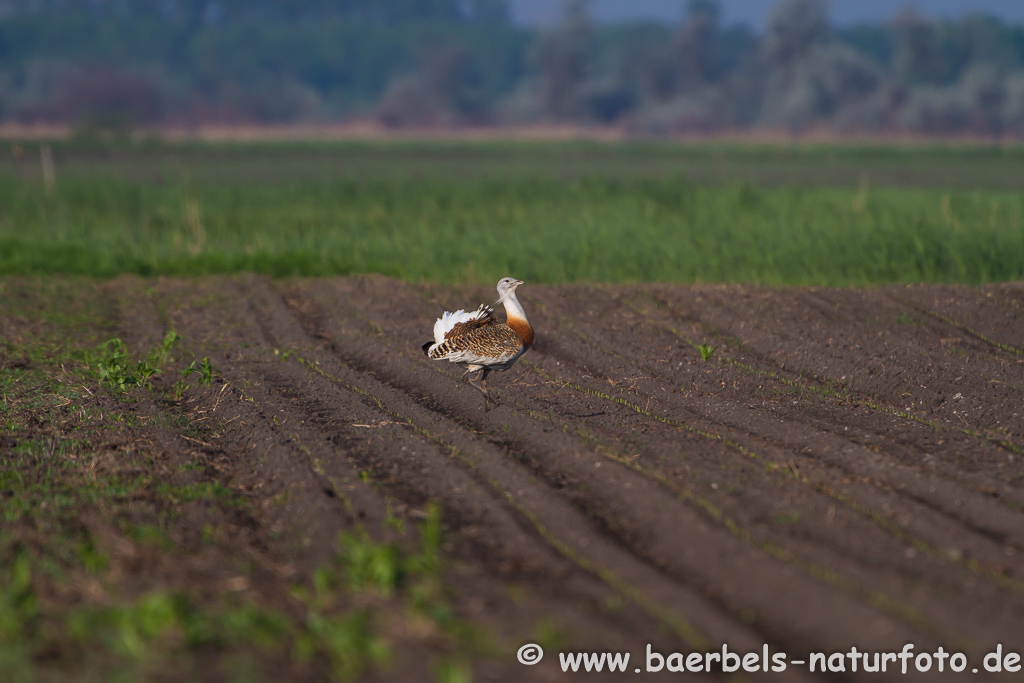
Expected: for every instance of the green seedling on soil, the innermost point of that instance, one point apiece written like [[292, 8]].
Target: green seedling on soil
[[143, 371], [205, 490], [122, 639], [382, 569], [93, 559], [113, 365], [142, 632], [451, 671], [393, 520], [706, 351], [907, 319], [160, 356], [179, 389], [347, 641], [204, 370]]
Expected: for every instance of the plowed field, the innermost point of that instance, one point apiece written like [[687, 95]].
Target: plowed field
[[844, 468]]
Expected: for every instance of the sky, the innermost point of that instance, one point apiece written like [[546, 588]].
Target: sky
[[756, 12]]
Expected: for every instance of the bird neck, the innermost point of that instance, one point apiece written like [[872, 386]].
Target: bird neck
[[517, 319]]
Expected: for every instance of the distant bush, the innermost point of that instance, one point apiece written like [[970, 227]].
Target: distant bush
[[110, 67]]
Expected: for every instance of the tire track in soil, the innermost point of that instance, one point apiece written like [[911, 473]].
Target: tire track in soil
[[488, 464], [297, 518], [721, 409], [392, 304], [970, 563], [806, 349], [883, 441], [209, 567], [1001, 580], [467, 509], [924, 437], [275, 468], [991, 314], [536, 494]]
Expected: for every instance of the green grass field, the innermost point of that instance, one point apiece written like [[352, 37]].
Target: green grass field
[[545, 212]]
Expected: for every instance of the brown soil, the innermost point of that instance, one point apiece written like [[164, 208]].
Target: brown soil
[[844, 469]]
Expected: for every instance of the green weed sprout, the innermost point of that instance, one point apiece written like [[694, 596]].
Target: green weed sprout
[[159, 357], [143, 371], [114, 366], [706, 351], [180, 387], [205, 371]]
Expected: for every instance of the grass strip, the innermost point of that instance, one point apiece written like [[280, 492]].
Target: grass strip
[[476, 229]]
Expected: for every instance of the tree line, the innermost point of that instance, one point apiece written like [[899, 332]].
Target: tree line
[[121, 63]]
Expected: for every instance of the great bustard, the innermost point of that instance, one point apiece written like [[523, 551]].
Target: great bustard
[[478, 341]]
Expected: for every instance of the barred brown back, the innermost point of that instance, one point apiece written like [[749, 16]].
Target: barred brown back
[[492, 340], [460, 329]]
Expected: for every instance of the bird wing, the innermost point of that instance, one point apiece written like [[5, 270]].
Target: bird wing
[[455, 324], [487, 345], [483, 317]]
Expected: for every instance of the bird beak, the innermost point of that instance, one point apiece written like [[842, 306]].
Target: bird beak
[[518, 282]]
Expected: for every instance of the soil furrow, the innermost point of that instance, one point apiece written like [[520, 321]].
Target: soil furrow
[[990, 314], [285, 396], [680, 466], [528, 446], [851, 458], [896, 360], [480, 465], [914, 447]]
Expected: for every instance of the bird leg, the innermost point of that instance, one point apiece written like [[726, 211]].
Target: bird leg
[[482, 387]]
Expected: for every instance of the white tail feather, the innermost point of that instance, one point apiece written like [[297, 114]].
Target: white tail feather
[[447, 321]]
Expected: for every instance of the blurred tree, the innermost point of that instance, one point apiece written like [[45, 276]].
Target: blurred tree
[[445, 89], [874, 41], [694, 45], [563, 56], [812, 77], [793, 28], [697, 54], [917, 57], [458, 61], [980, 40]]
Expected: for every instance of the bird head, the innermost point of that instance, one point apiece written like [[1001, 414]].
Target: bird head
[[506, 286]]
